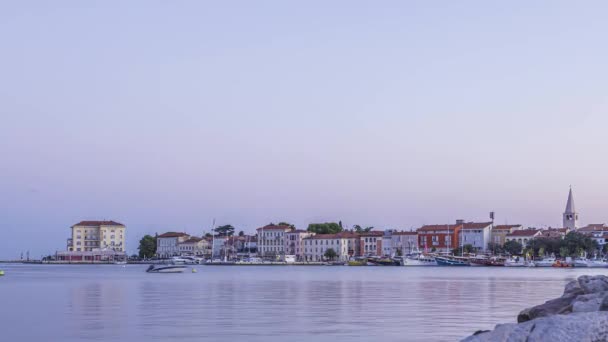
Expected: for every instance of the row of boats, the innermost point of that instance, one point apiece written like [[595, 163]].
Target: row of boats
[[438, 260]]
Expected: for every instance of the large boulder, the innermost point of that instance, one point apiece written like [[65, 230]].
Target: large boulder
[[580, 314], [580, 327]]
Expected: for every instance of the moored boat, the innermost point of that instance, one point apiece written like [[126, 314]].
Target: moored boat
[[561, 263], [418, 260], [166, 269], [596, 263], [452, 261], [547, 262], [515, 262]]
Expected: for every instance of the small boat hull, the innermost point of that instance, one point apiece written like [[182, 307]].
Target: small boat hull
[[166, 269], [441, 261]]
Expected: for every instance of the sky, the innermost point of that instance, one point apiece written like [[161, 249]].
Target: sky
[[166, 116]]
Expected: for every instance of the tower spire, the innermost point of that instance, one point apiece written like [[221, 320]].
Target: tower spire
[[570, 216]]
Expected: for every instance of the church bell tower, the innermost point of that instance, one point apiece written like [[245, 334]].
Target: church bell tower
[[570, 214]]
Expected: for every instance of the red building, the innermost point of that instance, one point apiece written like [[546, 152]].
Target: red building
[[441, 237]]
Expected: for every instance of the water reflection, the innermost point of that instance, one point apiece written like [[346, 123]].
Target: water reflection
[[268, 303]]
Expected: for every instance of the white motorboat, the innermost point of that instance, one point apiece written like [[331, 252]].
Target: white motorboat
[[515, 262], [166, 269], [546, 262], [418, 260], [597, 263]]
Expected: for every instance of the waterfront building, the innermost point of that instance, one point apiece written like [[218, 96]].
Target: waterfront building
[[499, 232], [315, 246], [218, 246], [523, 236], [167, 244], [271, 239], [294, 243], [554, 233], [597, 231], [475, 234], [439, 237], [399, 242], [570, 216], [370, 243], [406, 242], [90, 235], [194, 246]]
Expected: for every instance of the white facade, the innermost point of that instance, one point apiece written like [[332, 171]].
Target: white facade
[[476, 234], [92, 235], [294, 243], [271, 239], [316, 246], [167, 244]]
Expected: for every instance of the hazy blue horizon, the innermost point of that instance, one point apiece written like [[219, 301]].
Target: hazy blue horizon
[[164, 116]]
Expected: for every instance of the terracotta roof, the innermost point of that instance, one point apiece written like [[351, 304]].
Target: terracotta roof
[[371, 233], [172, 234], [341, 235], [506, 226], [300, 231], [193, 239], [275, 227], [525, 232], [475, 225], [594, 228], [439, 227], [98, 223]]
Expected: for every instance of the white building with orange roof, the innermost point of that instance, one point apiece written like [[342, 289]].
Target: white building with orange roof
[[294, 242], [167, 244], [317, 245], [499, 232], [271, 239]]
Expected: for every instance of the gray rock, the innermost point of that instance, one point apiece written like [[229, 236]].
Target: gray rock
[[580, 314], [553, 307], [589, 302], [582, 327], [593, 284]]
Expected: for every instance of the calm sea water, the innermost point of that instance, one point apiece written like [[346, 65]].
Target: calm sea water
[[265, 303]]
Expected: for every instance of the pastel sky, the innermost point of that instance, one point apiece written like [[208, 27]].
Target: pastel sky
[[164, 115]]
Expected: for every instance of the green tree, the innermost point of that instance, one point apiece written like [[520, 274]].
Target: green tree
[[495, 248], [564, 252], [468, 248], [283, 223], [147, 246], [225, 230], [513, 247], [324, 228], [578, 243], [399, 252], [330, 254], [360, 229], [241, 233], [208, 235]]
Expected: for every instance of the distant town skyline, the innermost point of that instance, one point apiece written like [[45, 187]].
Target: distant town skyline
[[166, 116]]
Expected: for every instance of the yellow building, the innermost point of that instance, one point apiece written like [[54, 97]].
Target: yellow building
[[90, 235]]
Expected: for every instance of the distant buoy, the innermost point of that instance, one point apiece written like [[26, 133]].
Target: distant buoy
[[194, 270], [1, 273]]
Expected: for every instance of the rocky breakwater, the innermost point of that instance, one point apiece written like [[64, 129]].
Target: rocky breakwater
[[580, 314]]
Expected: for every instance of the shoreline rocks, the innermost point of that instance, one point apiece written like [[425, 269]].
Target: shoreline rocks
[[580, 314]]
